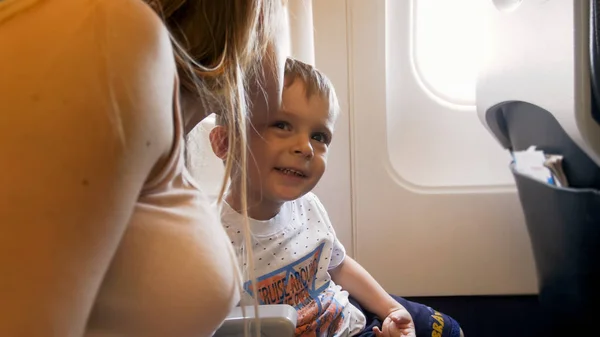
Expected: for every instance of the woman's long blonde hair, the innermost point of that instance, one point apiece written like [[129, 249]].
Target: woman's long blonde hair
[[219, 46]]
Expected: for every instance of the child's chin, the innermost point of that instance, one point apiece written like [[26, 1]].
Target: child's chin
[[289, 195]]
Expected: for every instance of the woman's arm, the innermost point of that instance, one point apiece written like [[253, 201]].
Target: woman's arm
[[353, 278], [87, 114]]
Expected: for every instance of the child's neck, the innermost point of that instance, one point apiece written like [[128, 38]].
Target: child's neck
[[258, 208]]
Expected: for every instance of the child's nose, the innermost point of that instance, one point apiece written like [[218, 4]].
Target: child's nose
[[303, 147]]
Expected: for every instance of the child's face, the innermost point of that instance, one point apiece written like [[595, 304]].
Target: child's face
[[288, 149]]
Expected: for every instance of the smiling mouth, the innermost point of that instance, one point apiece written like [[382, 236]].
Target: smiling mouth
[[291, 172]]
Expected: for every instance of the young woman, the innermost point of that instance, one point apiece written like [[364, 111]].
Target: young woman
[[102, 230]]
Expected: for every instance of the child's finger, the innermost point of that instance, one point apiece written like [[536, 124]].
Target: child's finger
[[377, 332], [401, 318]]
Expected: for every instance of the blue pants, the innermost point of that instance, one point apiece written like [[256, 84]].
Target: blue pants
[[428, 322]]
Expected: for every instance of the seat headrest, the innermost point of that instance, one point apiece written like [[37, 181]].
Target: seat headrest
[[539, 53], [594, 48]]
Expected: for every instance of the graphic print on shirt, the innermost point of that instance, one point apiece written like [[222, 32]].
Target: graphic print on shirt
[[319, 313]]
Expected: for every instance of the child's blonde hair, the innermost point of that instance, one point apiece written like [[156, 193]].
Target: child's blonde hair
[[315, 83], [219, 45]]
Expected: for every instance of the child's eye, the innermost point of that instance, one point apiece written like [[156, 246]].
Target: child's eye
[[282, 125], [321, 137]]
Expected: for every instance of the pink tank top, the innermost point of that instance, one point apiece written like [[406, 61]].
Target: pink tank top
[[175, 271]]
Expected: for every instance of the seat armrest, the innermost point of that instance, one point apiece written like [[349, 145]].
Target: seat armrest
[[276, 320]]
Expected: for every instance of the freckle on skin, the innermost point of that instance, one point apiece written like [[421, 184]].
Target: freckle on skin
[[148, 143], [85, 182]]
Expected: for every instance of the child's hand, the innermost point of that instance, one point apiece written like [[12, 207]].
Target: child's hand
[[398, 323]]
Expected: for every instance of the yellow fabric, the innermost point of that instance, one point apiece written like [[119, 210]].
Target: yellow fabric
[[8, 8]]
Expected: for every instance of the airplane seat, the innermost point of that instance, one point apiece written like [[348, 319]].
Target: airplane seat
[[538, 86], [594, 47]]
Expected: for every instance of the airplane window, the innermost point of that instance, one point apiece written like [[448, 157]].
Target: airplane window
[[435, 140], [445, 49]]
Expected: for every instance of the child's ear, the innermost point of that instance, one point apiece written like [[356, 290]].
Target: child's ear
[[219, 141]]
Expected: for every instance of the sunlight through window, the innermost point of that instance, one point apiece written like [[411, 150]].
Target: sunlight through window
[[446, 47]]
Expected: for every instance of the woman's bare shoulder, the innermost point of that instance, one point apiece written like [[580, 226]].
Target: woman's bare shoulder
[[110, 57]]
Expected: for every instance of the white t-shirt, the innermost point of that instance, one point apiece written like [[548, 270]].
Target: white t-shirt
[[293, 253]]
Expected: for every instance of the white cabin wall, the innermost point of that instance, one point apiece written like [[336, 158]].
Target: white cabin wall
[[447, 242], [331, 57], [444, 241]]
